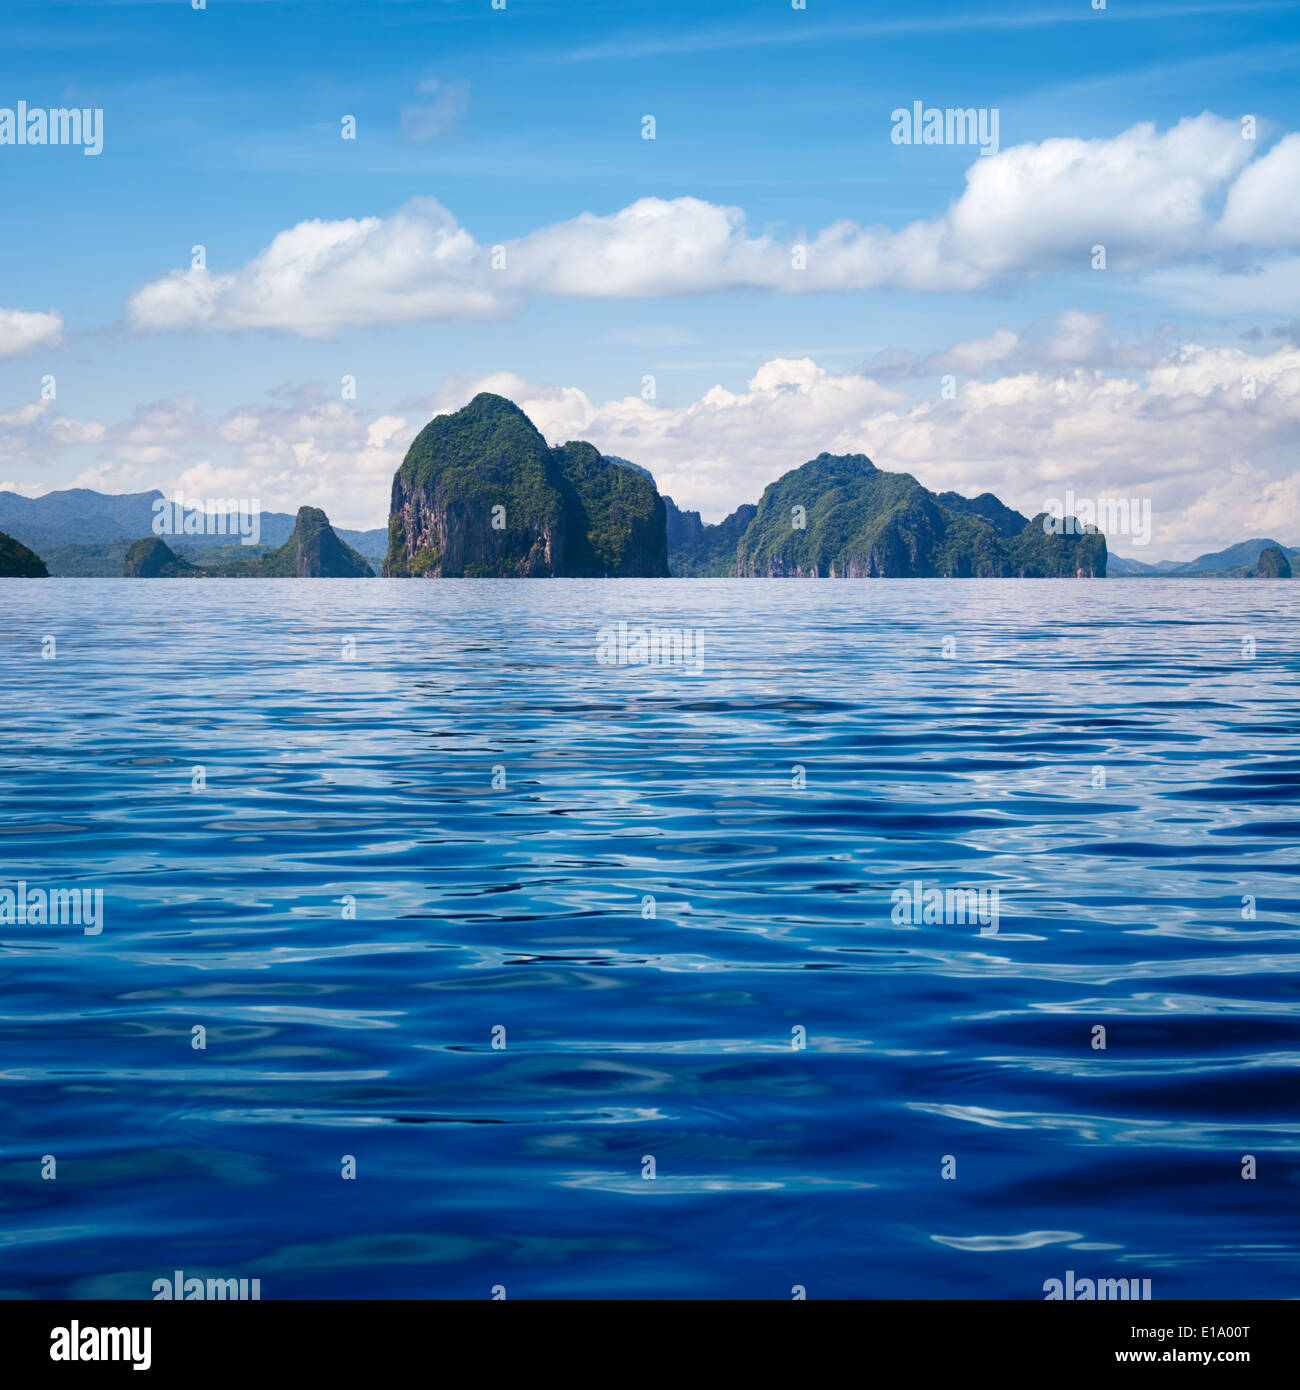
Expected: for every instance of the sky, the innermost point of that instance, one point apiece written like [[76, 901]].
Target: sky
[[314, 225]]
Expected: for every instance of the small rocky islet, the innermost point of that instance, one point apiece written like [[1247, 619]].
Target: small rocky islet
[[314, 551], [17, 562]]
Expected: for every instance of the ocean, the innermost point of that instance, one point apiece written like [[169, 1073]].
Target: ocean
[[686, 939]]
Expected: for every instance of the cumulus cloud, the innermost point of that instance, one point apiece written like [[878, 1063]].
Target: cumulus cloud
[[1146, 197], [319, 276], [1150, 197], [21, 331], [1263, 205], [112, 477], [301, 447], [1068, 339], [1208, 434], [37, 431], [307, 449], [157, 434]]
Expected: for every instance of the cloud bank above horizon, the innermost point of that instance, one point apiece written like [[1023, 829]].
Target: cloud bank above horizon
[[1199, 198], [1205, 432]]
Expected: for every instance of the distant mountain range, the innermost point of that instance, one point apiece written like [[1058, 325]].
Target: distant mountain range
[[80, 532], [480, 493], [1236, 560], [313, 551]]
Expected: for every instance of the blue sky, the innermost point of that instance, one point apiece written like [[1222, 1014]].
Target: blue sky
[[222, 128]]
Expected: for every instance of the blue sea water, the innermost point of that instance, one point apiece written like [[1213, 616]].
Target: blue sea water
[[526, 907]]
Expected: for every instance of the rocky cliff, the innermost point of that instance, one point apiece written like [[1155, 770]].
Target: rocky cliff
[[314, 551], [696, 549], [1272, 564], [481, 494]]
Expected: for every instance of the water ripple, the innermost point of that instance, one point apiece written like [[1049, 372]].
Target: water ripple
[[592, 975]]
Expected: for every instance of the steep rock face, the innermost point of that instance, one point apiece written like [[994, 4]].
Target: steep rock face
[[314, 551], [1272, 564], [480, 494], [695, 549], [17, 562], [152, 558], [620, 529], [457, 470]]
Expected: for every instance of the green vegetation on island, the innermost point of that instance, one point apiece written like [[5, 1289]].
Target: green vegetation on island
[[152, 558], [17, 562], [697, 550], [839, 516], [314, 551], [481, 494]]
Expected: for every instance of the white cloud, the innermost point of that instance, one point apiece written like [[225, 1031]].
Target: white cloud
[[1261, 289], [112, 477], [1209, 434], [21, 331], [1144, 196], [1068, 339], [304, 450], [976, 355], [716, 452], [1150, 198], [1263, 205], [158, 434], [37, 432], [320, 276]]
